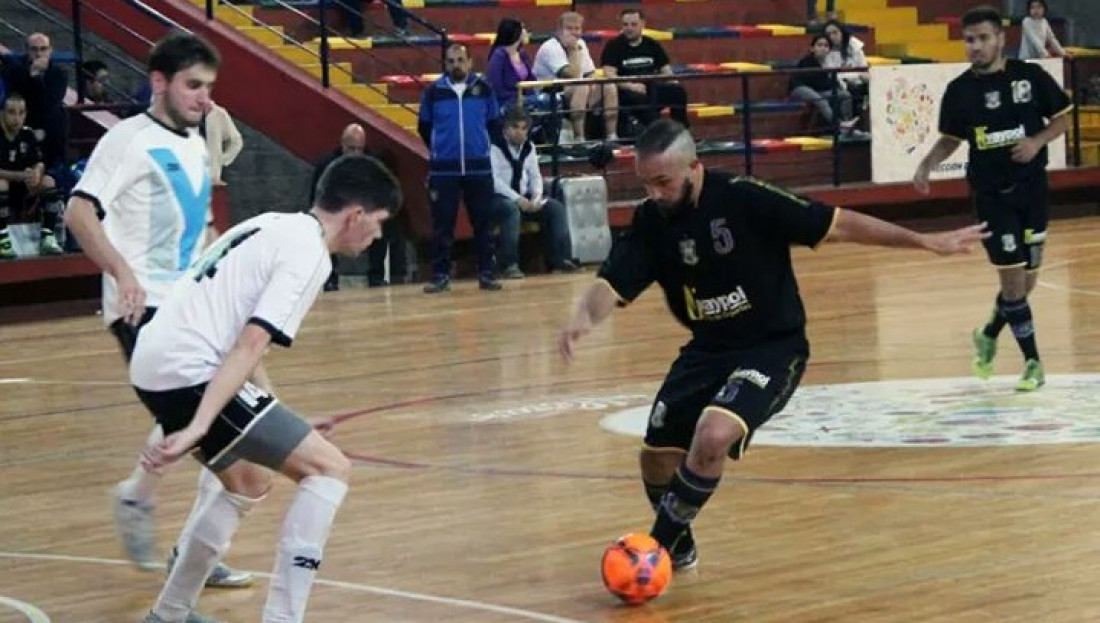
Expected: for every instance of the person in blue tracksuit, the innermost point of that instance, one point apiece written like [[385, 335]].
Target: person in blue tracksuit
[[458, 114]]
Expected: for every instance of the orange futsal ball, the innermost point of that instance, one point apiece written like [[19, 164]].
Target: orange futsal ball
[[636, 568]]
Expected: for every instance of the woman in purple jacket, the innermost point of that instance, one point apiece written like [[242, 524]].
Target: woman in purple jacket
[[508, 63]]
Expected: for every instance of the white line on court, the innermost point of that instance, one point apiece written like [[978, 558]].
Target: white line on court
[[351, 586], [30, 381], [34, 615]]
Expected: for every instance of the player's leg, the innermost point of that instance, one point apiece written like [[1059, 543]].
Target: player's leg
[[1033, 198], [50, 206], [1004, 249], [210, 528], [692, 380], [7, 249], [760, 384]]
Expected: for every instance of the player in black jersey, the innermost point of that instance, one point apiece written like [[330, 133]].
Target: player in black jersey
[[719, 247], [1007, 111], [23, 176]]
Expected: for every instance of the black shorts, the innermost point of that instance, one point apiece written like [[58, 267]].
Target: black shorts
[[127, 334], [1017, 219], [752, 385], [254, 426]]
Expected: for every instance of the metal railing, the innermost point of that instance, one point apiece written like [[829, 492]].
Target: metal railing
[[745, 122]]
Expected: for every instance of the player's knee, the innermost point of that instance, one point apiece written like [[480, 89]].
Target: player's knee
[[246, 480], [715, 435], [327, 460]]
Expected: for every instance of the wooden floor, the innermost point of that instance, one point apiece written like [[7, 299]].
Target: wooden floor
[[485, 488]]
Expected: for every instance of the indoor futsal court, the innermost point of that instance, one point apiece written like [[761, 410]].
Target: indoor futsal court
[[489, 476]]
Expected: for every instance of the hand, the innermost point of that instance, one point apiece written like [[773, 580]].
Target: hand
[[956, 241], [525, 205], [34, 177], [920, 180], [1026, 150], [636, 87], [159, 455], [577, 328], [131, 297]]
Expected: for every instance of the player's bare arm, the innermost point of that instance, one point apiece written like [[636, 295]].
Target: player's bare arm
[[81, 219], [944, 147], [863, 229], [597, 304], [240, 364]]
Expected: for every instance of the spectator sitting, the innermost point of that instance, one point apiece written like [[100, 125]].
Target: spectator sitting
[[43, 84], [848, 52], [1038, 39], [821, 89], [23, 177], [96, 78], [518, 195], [634, 54], [565, 55], [508, 62]]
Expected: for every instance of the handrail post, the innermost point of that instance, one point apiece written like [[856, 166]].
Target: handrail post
[[836, 126], [1077, 101], [746, 123], [78, 49], [210, 9], [555, 140], [322, 6], [445, 42]]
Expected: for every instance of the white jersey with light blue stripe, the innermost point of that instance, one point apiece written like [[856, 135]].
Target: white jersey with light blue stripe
[[153, 184]]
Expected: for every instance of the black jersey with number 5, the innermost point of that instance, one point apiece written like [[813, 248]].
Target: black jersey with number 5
[[994, 112], [724, 265]]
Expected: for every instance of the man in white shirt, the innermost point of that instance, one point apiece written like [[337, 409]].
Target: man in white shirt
[[150, 176], [518, 195], [565, 55], [249, 289]]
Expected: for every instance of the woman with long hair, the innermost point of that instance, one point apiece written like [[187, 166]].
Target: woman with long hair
[[508, 62]]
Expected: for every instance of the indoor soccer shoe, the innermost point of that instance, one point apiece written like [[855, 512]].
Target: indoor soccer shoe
[[48, 244], [7, 251], [985, 349], [1033, 377], [192, 617], [221, 577]]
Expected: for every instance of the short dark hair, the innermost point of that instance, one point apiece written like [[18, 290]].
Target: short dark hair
[[355, 179], [1046, 9], [515, 116], [178, 51], [13, 95], [629, 10], [89, 69], [981, 15], [658, 137]]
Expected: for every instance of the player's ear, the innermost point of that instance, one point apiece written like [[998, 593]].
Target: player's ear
[[159, 82]]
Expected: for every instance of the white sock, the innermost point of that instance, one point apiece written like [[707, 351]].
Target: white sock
[[209, 487], [141, 486], [301, 546], [202, 543]]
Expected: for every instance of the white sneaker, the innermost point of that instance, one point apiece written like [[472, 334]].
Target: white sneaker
[[223, 576], [136, 530]]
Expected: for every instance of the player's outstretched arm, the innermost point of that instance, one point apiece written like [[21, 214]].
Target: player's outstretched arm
[[81, 219], [863, 229], [944, 147], [597, 304], [240, 364]]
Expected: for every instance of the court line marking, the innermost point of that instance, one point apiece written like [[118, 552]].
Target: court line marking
[[350, 586], [34, 615]]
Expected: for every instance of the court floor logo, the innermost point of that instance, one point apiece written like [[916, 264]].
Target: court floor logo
[[924, 412]]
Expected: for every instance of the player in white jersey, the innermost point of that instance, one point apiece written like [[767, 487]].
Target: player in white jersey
[[252, 287], [149, 176]]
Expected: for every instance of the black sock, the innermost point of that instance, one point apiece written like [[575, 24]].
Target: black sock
[[49, 219], [1018, 315], [997, 321], [686, 540], [686, 495]]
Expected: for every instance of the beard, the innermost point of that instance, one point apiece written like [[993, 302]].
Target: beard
[[679, 206], [457, 75]]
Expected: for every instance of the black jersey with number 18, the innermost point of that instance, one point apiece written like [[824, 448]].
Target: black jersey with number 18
[[724, 265], [994, 112]]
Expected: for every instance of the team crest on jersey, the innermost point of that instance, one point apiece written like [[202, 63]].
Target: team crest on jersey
[[1008, 243], [475, 90], [1021, 91], [687, 252], [993, 100], [657, 417]]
